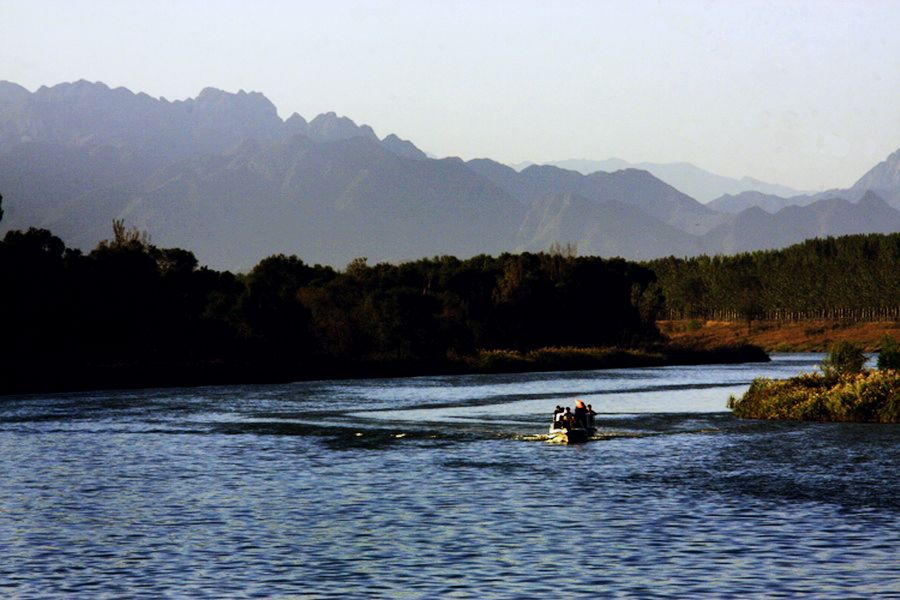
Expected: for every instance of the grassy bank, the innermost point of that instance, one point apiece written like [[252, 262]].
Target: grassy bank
[[871, 396], [774, 336]]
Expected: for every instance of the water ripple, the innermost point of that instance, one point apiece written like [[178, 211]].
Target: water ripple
[[255, 491]]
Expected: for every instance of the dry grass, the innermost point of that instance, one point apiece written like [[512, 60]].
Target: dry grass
[[807, 336]]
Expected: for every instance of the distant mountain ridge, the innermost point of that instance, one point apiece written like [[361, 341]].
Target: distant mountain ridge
[[92, 114], [636, 188], [756, 229], [883, 179], [225, 177], [599, 227], [698, 183], [734, 203]]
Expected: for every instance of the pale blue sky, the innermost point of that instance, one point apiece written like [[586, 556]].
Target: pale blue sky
[[801, 93]]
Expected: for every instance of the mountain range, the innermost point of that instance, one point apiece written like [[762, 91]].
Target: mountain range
[[883, 179], [697, 183], [224, 176]]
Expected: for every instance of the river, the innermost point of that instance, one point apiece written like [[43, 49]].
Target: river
[[433, 487]]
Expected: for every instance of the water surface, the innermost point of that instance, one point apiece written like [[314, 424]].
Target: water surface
[[429, 487]]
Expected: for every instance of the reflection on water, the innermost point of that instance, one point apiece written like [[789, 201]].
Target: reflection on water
[[424, 487]]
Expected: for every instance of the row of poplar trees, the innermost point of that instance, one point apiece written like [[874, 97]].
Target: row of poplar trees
[[854, 277]]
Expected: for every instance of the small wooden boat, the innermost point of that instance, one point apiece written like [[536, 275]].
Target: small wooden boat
[[570, 435]]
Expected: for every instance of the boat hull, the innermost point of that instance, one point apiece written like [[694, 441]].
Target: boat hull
[[570, 436]]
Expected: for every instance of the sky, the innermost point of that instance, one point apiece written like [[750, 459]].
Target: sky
[[803, 93]]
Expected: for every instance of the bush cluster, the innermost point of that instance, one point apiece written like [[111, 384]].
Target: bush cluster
[[867, 396], [889, 356]]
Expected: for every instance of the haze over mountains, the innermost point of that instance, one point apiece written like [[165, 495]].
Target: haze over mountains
[[698, 183], [224, 176], [883, 179]]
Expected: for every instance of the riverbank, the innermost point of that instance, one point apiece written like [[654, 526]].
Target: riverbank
[[774, 336], [571, 359], [872, 396], [61, 378]]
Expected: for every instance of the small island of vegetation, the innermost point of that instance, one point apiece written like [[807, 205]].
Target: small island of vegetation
[[843, 391]]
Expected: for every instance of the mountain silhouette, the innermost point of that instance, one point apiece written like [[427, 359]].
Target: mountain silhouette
[[224, 176], [698, 183], [607, 228], [883, 179], [756, 229]]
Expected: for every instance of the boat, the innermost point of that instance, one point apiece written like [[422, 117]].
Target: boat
[[572, 428], [570, 435]]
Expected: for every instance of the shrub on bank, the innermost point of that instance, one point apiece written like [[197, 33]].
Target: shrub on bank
[[868, 396], [889, 356], [844, 358]]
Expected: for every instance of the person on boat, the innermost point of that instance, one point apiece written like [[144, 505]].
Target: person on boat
[[568, 419], [557, 414], [580, 413], [590, 416]]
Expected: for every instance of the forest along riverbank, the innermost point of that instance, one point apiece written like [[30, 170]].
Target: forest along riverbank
[[141, 375], [131, 315]]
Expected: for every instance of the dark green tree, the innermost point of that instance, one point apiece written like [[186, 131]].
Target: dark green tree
[[889, 356], [844, 358]]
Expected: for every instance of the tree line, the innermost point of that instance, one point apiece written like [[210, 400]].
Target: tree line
[[128, 312], [855, 277]]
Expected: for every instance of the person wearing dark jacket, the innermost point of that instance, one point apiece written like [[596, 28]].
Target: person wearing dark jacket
[[580, 413]]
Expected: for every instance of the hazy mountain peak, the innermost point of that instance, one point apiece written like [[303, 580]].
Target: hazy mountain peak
[[213, 93], [296, 124], [11, 92], [636, 174], [329, 127], [82, 84], [249, 102], [883, 178], [754, 212], [402, 147], [79, 89], [210, 93]]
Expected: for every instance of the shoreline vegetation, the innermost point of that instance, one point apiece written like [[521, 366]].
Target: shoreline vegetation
[[155, 375], [571, 359], [132, 315], [871, 396], [843, 392], [850, 279]]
